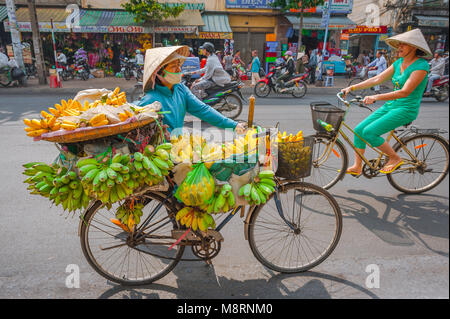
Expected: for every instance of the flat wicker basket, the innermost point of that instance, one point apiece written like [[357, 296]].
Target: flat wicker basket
[[96, 132]]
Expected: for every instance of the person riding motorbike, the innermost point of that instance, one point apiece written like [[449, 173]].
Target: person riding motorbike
[[290, 69], [162, 83], [139, 58], [61, 58], [437, 69], [214, 73]]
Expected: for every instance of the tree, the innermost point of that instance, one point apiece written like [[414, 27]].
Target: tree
[[152, 11], [37, 43], [297, 6]]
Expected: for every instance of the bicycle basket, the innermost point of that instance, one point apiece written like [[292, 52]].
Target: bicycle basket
[[295, 158], [328, 113]]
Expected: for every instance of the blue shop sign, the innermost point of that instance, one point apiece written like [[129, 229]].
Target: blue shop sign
[[252, 4]]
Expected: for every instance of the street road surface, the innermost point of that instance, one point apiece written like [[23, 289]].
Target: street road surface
[[405, 237]]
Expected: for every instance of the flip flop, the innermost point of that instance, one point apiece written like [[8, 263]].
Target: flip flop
[[393, 169], [354, 174]]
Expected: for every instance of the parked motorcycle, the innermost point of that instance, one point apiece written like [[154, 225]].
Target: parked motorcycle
[[130, 68], [295, 86], [439, 89], [10, 75]]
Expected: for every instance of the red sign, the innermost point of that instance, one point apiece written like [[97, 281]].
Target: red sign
[[364, 29], [125, 29]]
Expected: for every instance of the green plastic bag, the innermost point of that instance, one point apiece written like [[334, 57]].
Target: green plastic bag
[[236, 164], [197, 188]]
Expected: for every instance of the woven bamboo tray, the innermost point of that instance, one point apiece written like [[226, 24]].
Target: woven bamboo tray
[[92, 133]]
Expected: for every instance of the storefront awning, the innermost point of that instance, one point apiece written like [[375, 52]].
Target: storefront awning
[[432, 21], [215, 23], [3, 13], [314, 23], [106, 21]]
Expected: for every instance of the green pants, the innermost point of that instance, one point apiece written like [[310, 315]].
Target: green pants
[[381, 122]]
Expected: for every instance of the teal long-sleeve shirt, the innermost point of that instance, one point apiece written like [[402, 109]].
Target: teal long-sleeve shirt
[[181, 100]]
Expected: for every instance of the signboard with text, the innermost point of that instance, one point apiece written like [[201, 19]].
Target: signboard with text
[[249, 4], [210, 35], [335, 6], [62, 27], [364, 29]]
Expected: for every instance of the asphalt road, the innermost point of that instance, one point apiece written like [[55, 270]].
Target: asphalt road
[[406, 236]]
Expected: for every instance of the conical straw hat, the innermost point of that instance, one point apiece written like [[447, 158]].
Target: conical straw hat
[[158, 57], [414, 38]]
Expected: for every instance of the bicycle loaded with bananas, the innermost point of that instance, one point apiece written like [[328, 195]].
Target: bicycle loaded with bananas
[[144, 198]]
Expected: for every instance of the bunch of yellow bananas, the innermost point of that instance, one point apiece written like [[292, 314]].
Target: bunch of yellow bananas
[[283, 137], [191, 217], [98, 120]]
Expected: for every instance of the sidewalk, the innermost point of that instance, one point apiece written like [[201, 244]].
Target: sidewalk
[[74, 86]]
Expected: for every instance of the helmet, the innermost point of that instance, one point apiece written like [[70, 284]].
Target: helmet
[[138, 51], [288, 53], [208, 46]]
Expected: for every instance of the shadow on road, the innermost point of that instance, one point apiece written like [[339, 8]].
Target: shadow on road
[[201, 282], [405, 220]]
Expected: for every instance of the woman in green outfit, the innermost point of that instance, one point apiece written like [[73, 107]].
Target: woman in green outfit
[[409, 76]]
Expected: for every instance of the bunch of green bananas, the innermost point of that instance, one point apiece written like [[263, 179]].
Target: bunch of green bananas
[[222, 201], [58, 184], [108, 182], [191, 217], [128, 216], [154, 164], [258, 191]]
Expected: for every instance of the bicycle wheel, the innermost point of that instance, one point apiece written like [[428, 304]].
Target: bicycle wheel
[[432, 153], [359, 92], [300, 91], [316, 222], [114, 254], [230, 106], [328, 166]]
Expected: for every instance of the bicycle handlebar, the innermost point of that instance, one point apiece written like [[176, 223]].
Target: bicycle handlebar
[[358, 100]]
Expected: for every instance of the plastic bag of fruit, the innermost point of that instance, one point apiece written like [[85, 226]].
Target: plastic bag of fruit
[[197, 188]]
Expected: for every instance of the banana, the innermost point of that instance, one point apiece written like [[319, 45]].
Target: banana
[[103, 176], [155, 169], [162, 154], [138, 156], [111, 173], [44, 168], [160, 163], [164, 146], [268, 181], [87, 168], [116, 167], [91, 175], [266, 174]]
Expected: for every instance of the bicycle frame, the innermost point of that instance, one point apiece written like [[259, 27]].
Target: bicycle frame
[[324, 157]]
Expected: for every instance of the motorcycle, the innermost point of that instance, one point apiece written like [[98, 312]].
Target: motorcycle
[[130, 68], [227, 100], [439, 89], [8, 75], [295, 86], [66, 72]]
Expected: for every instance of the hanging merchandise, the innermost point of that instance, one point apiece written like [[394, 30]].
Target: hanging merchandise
[[198, 187]]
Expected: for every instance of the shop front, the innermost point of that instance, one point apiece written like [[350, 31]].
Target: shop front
[[435, 30], [367, 39], [103, 34]]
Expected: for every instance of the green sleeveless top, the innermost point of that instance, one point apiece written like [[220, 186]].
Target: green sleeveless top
[[412, 101]]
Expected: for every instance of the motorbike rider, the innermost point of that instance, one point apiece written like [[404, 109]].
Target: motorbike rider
[[376, 67], [214, 73], [437, 68], [139, 58], [290, 69], [162, 83], [61, 58]]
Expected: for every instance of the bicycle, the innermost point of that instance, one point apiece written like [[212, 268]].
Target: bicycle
[[424, 151], [361, 77], [295, 230]]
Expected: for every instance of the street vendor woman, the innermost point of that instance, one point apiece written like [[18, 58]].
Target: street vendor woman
[[162, 82]]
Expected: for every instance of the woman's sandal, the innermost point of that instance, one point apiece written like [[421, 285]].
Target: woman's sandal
[[392, 166], [354, 174]]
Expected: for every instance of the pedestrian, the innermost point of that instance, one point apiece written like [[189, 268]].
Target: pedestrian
[[299, 66], [376, 67], [437, 70], [228, 63], [313, 64], [366, 58], [255, 65], [237, 58], [409, 76], [319, 59]]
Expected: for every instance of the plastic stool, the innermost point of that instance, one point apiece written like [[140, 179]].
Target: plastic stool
[[53, 81], [329, 81]]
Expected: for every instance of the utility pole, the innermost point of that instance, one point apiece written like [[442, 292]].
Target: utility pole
[[37, 43], [15, 36]]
